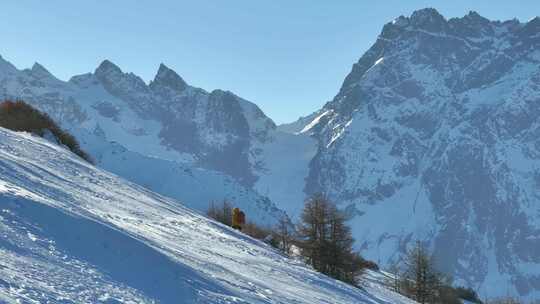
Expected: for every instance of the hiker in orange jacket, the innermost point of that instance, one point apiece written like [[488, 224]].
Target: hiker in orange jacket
[[238, 219]]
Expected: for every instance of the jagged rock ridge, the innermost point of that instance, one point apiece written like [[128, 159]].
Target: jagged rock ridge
[[175, 139]]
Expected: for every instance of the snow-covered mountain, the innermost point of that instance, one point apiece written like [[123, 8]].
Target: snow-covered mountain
[[218, 129], [167, 136], [435, 136], [72, 233]]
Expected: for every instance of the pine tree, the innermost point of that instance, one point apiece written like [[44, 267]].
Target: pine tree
[[341, 261], [312, 230], [326, 241]]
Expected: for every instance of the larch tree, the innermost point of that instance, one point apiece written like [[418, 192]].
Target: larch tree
[[326, 240], [284, 235], [420, 278]]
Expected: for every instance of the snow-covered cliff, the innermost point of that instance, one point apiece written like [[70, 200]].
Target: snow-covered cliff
[[435, 136]]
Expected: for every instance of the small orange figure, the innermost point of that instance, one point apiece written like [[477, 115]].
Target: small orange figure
[[238, 219]]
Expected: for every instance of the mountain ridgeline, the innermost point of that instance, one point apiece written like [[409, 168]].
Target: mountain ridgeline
[[434, 137], [172, 138]]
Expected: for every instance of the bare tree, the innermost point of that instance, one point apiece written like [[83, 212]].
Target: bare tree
[[221, 213], [226, 208], [284, 235], [394, 281], [420, 279], [416, 277], [212, 211]]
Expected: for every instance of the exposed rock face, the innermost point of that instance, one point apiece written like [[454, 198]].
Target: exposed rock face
[[216, 128], [169, 131], [435, 135]]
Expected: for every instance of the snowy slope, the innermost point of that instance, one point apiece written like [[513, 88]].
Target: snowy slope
[[286, 158], [70, 232], [378, 284], [171, 178]]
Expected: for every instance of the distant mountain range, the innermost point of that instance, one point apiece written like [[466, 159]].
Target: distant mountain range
[[177, 140], [433, 136]]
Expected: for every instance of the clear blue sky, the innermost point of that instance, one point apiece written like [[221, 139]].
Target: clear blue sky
[[288, 56]]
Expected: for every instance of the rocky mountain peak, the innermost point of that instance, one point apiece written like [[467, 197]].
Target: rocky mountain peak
[[428, 19], [473, 19], [474, 16], [471, 25], [167, 77], [533, 26], [126, 86], [222, 94], [6, 66], [109, 74], [535, 20], [107, 68], [41, 72], [431, 21]]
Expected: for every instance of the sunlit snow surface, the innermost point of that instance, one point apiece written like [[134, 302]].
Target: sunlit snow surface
[[71, 233]]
